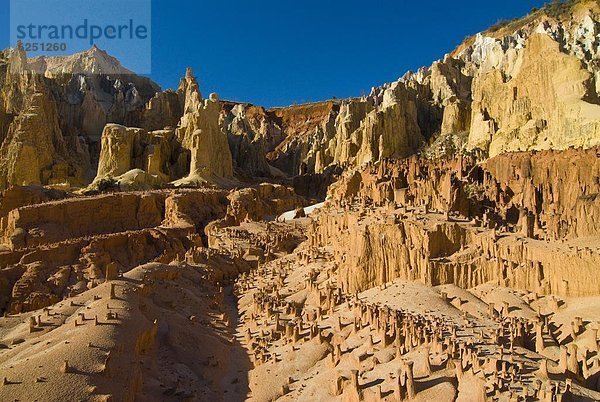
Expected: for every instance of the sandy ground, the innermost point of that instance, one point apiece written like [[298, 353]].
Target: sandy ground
[[185, 331]]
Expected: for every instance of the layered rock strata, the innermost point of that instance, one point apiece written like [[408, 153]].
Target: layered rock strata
[[526, 221], [415, 281], [528, 85], [58, 248], [195, 153], [442, 265]]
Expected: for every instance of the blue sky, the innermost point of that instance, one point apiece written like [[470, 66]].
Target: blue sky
[[277, 52]]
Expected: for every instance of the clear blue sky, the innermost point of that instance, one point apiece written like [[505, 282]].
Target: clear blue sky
[[276, 52]]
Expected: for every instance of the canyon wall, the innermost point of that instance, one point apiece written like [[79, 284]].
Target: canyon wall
[[50, 123], [531, 84], [59, 246], [523, 220]]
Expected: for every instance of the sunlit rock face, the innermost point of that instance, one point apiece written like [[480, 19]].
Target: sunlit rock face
[[53, 112], [531, 84], [549, 101], [200, 132], [415, 244], [195, 153]]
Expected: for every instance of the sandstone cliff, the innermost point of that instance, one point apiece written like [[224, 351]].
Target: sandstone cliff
[[535, 95], [200, 132], [195, 153], [524, 220], [434, 269], [530, 84], [51, 120]]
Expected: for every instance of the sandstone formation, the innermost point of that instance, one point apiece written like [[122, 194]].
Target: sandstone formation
[[50, 125], [497, 92], [550, 102], [138, 159], [531, 84], [520, 220], [200, 133], [61, 238], [323, 316], [251, 135], [436, 240], [195, 153]]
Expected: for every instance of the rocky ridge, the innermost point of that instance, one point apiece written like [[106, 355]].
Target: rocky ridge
[[442, 265], [452, 106]]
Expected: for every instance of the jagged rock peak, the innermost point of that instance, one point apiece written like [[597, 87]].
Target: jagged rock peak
[[91, 61], [17, 59], [200, 132], [189, 73], [189, 90]]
